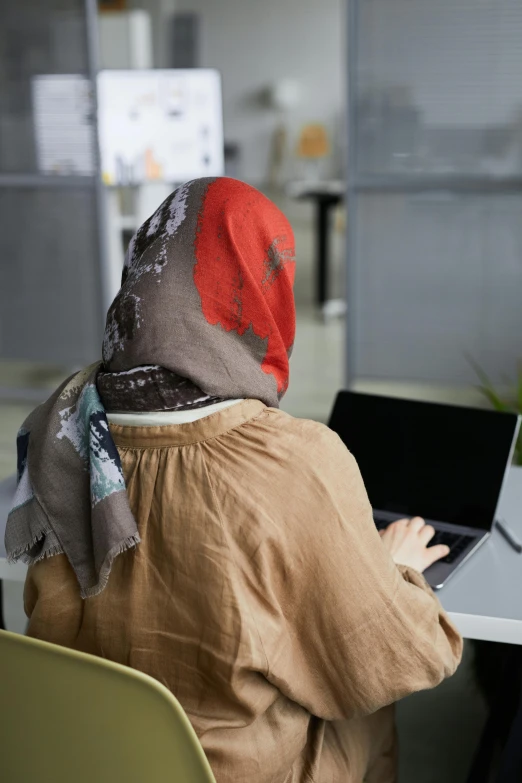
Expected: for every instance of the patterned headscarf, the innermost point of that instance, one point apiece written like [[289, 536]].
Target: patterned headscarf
[[205, 313]]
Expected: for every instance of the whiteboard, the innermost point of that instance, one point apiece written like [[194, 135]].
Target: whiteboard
[[160, 125]]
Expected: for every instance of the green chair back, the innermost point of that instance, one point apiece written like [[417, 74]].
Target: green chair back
[[68, 717]]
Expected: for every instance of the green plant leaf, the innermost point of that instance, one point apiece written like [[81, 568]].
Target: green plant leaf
[[489, 391], [494, 399], [481, 375], [487, 388]]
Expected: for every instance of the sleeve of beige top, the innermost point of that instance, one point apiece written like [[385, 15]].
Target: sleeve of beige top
[[347, 631], [52, 601]]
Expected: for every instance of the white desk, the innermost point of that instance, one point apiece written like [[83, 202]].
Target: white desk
[[484, 598]]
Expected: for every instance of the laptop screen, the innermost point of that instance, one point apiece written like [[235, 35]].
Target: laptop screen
[[441, 462]]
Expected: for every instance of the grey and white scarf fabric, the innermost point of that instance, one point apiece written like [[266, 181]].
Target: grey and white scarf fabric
[[71, 495], [205, 313]]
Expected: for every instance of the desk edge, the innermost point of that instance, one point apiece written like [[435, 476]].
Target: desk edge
[[489, 629]]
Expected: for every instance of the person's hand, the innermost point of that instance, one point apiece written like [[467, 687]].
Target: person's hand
[[407, 542]]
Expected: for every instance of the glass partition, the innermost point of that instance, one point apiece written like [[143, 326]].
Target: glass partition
[[434, 189], [50, 230]]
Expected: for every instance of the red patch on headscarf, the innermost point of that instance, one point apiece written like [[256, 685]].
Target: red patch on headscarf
[[245, 269]]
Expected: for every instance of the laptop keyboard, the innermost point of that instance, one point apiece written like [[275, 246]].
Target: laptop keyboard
[[456, 542]]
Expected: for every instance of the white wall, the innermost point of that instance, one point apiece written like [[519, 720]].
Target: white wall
[[256, 42], [161, 12]]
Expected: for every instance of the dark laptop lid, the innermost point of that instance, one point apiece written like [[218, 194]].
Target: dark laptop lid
[[441, 462]]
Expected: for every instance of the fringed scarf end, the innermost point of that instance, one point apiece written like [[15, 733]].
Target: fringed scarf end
[[22, 554], [131, 542]]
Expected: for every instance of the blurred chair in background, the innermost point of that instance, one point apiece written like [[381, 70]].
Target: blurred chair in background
[[313, 146]]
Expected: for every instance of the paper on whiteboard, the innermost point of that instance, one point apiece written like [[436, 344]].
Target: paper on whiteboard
[[63, 124], [160, 125]]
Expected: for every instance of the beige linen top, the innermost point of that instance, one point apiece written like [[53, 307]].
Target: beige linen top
[[261, 594]]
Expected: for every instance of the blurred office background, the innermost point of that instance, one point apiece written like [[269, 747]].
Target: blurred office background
[[407, 112]]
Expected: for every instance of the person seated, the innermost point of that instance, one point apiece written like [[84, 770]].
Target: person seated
[[176, 521]]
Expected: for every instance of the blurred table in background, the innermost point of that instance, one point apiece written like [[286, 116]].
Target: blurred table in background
[[325, 194]]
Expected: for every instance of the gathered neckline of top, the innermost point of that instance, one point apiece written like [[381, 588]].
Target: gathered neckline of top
[[213, 425]]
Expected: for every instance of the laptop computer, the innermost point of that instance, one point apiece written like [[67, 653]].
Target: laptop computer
[[445, 463]]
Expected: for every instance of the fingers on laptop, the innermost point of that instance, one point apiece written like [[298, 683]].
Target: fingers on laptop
[[434, 553], [426, 533], [417, 524]]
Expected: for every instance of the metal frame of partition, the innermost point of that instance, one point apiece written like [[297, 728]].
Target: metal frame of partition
[[93, 59], [94, 183], [358, 184], [351, 190]]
